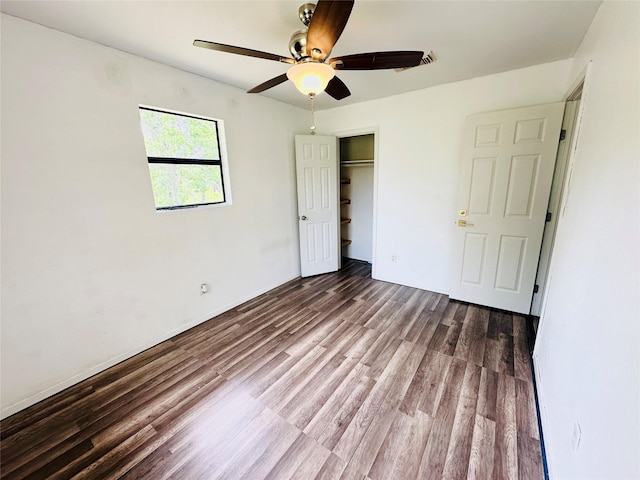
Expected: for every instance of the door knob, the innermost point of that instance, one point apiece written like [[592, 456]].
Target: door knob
[[303, 217], [463, 223]]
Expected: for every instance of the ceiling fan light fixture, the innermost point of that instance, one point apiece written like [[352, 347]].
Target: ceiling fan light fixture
[[311, 78]]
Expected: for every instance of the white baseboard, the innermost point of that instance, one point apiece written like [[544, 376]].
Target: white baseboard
[[60, 386]]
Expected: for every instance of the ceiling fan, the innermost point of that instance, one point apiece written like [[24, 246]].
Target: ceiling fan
[[311, 71]]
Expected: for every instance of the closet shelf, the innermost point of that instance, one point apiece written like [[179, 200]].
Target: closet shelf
[[344, 242], [345, 220]]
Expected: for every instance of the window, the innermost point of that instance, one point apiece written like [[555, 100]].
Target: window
[[185, 159]]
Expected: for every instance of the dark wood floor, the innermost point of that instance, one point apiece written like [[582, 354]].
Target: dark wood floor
[[332, 377]]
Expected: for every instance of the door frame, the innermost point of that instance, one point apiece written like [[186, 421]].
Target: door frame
[[577, 91], [374, 234], [555, 200]]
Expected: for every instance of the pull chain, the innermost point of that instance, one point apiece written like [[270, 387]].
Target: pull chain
[[312, 96]]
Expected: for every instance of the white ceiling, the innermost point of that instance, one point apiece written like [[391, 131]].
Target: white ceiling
[[469, 38]]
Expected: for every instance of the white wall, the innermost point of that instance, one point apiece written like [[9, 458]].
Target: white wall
[[360, 210], [91, 274], [418, 162], [587, 353]]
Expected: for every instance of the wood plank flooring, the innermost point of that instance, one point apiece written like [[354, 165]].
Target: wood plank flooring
[[332, 377]]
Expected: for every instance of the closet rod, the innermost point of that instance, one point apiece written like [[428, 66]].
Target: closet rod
[[355, 163]]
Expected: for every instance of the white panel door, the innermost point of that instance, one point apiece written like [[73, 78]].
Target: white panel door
[[317, 176], [505, 180]]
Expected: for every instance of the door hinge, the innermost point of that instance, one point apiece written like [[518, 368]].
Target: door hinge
[[563, 134], [548, 219], [535, 288]]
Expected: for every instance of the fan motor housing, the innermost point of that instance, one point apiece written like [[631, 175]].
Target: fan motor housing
[[298, 44]]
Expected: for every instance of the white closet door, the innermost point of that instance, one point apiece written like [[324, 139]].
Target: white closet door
[[317, 177]]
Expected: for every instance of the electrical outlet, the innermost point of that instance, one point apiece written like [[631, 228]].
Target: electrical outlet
[[394, 258], [204, 288], [577, 434]]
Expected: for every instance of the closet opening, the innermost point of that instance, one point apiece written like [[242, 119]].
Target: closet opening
[[357, 154]]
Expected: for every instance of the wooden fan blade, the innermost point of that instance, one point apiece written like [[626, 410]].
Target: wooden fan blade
[[327, 23], [377, 60], [337, 89], [247, 52], [269, 84]]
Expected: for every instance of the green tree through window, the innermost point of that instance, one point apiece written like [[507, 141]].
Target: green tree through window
[[184, 156]]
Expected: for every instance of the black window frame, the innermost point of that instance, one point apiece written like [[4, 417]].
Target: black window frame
[[190, 161]]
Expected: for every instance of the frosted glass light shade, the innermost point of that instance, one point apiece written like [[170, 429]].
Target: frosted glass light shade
[[311, 77]]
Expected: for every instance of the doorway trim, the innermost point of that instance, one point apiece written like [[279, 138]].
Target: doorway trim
[[577, 91], [555, 200], [374, 234]]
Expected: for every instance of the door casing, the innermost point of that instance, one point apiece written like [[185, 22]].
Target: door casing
[[374, 234]]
